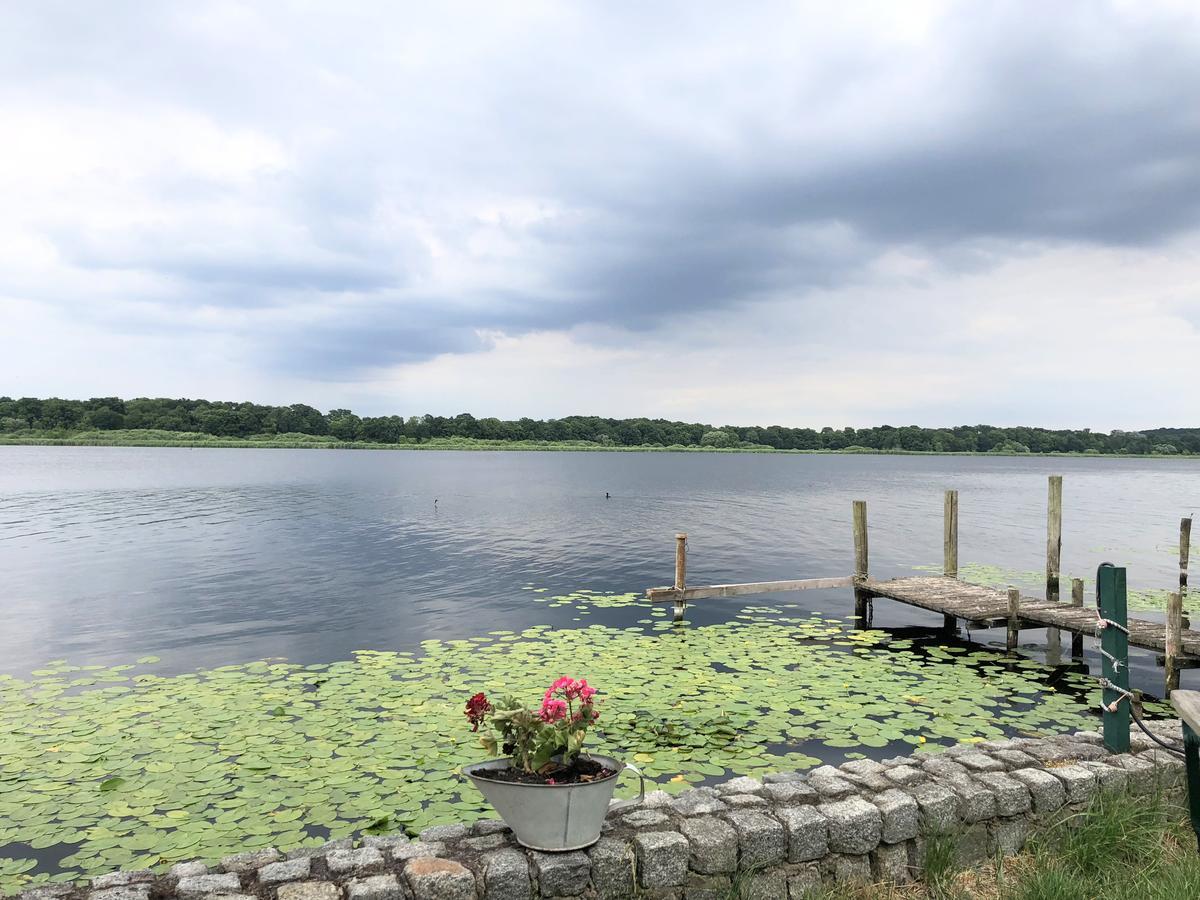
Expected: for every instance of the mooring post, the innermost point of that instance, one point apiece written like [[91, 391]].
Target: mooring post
[[680, 574], [1174, 640], [1077, 600], [1185, 543], [1014, 614], [860, 560], [1114, 641], [950, 536], [950, 550], [1053, 536]]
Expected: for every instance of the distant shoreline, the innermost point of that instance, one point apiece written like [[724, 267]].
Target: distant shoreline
[[472, 445]]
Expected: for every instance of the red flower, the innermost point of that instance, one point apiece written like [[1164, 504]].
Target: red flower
[[477, 708]]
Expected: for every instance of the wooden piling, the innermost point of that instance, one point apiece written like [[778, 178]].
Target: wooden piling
[[1053, 536], [680, 574], [950, 536], [1077, 600], [1185, 543], [1174, 641], [950, 550], [861, 565], [1014, 616]]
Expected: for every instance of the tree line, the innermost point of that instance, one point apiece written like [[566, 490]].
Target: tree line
[[243, 420]]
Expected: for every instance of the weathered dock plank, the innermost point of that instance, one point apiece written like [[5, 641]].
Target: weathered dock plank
[[988, 607]]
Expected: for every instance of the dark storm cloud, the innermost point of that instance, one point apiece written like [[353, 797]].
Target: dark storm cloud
[[674, 186]]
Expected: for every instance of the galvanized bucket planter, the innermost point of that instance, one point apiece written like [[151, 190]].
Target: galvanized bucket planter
[[551, 816]]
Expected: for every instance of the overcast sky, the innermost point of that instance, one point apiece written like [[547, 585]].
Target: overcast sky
[[803, 214]]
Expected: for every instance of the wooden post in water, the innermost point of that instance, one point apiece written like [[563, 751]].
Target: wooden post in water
[[1053, 562], [1185, 543], [860, 560], [1053, 536], [950, 549], [1174, 640], [1077, 600], [1014, 615], [950, 536], [680, 574]]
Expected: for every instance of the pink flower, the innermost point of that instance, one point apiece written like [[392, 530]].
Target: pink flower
[[553, 710]]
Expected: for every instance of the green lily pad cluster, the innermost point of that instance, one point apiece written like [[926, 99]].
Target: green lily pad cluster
[[117, 767]]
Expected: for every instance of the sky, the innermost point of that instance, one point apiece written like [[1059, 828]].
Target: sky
[[802, 214]]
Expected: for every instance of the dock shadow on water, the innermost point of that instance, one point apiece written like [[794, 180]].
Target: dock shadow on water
[[119, 767]]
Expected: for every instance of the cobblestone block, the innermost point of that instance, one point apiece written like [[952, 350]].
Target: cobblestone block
[[1079, 782], [854, 825], [562, 874], [707, 887], [790, 793], [938, 806], [184, 869], [762, 840], [378, 887], [975, 802], [439, 879], [1046, 792], [741, 785], [443, 833], [1108, 778], [807, 833], [972, 845], [248, 862], [907, 775], [123, 879], [980, 762], [744, 801], [1012, 797], [309, 890], [662, 858], [849, 870], [288, 870], [889, 863], [346, 863], [207, 885], [1008, 835], [697, 802], [713, 845], [505, 874], [612, 869], [899, 814], [650, 819]]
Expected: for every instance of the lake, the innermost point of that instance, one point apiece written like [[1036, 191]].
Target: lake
[[208, 556], [206, 651]]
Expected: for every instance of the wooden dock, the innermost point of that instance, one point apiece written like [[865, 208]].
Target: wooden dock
[[985, 607], [1175, 644]]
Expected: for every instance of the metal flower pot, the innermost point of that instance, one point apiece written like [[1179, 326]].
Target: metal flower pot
[[551, 816]]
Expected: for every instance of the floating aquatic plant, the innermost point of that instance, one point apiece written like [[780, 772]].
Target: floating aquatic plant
[[116, 767]]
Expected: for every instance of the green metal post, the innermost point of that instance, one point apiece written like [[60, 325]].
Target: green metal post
[[1191, 756], [1110, 581]]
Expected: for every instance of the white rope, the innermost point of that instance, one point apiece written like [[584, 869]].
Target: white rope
[[1125, 695], [1102, 623]]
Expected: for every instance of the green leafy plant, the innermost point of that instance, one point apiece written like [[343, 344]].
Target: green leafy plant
[[534, 739]]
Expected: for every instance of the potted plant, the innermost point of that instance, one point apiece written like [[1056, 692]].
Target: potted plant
[[548, 791]]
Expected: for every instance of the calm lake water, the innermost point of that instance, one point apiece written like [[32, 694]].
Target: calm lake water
[[207, 556]]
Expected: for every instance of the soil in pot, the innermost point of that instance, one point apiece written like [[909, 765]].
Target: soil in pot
[[580, 771]]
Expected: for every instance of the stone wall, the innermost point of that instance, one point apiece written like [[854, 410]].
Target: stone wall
[[778, 838]]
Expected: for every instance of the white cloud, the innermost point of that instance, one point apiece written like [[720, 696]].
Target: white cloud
[[793, 213]]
